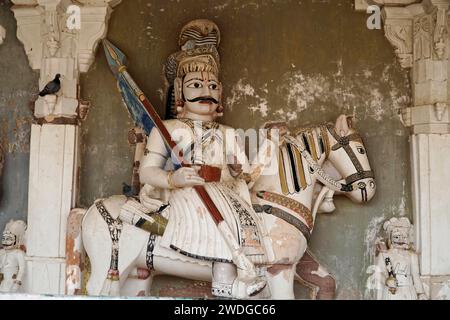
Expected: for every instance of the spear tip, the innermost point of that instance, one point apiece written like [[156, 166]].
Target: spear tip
[[116, 58]]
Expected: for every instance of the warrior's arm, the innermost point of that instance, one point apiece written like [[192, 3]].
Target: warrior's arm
[[155, 157], [152, 168], [262, 160], [21, 263], [380, 276]]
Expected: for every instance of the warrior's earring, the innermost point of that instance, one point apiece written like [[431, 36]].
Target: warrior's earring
[[219, 111], [179, 102], [179, 106], [220, 108]]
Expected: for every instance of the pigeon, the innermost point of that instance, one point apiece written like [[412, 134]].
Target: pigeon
[[52, 87]]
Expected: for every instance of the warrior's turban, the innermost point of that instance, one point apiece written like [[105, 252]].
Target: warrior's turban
[[199, 40]]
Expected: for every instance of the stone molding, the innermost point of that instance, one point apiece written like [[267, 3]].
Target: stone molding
[[419, 33], [53, 47]]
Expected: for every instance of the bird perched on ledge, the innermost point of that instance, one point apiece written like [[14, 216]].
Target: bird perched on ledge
[[52, 87]]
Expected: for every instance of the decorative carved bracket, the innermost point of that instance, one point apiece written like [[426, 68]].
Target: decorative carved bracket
[[419, 32], [399, 31], [53, 46]]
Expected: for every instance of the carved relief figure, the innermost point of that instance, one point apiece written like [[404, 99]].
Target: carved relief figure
[[398, 266], [12, 256], [263, 233], [191, 230]]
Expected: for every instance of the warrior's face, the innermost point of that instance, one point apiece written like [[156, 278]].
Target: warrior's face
[[400, 238], [8, 239], [202, 94]]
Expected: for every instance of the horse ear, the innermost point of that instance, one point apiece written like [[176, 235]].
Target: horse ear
[[350, 121], [342, 127]]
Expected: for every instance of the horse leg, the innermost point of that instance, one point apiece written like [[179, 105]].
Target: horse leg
[[310, 273], [280, 278], [138, 283], [97, 244]]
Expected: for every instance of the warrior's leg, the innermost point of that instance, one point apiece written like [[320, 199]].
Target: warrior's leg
[[227, 284], [223, 276], [247, 283]]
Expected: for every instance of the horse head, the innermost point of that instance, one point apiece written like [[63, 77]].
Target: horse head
[[348, 155]]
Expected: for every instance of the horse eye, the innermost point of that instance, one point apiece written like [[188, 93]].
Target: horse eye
[[361, 150]]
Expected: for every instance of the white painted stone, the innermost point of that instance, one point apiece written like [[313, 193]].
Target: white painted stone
[[53, 48], [53, 165], [419, 33], [45, 275], [431, 207]]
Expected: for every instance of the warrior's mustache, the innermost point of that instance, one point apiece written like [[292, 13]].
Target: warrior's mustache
[[211, 99]]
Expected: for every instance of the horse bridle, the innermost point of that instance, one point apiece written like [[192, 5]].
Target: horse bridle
[[344, 143]]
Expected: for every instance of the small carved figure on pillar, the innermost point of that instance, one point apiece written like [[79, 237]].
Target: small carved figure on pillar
[[398, 265], [12, 256]]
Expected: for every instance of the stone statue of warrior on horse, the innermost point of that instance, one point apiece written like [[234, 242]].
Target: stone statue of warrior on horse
[[206, 212]]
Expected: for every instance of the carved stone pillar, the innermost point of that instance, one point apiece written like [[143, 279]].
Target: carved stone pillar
[[53, 47], [419, 32]]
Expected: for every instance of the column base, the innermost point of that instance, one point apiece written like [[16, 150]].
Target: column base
[[44, 276], [437, 287]]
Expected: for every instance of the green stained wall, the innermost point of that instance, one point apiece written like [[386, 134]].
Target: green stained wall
[[18, 89]]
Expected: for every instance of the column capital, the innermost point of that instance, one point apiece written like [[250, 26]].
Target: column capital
[[61, 36], [419, 31]]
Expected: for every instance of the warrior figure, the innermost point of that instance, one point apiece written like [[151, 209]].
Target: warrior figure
[[12, 257], [398, 266], [193, 76]]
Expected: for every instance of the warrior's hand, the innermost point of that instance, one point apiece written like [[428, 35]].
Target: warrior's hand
[[235, 167], [153, 205], [185, 177]]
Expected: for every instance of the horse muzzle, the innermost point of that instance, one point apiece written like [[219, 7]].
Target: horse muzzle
[[363, 190]]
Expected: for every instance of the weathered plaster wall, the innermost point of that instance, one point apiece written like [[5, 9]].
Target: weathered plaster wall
[[301, 61], [18, 85]]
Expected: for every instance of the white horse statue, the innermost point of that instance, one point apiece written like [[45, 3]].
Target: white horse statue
[[285, 201]]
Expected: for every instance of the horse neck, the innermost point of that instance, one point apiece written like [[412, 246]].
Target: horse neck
[[316, 140], [295, 178]]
